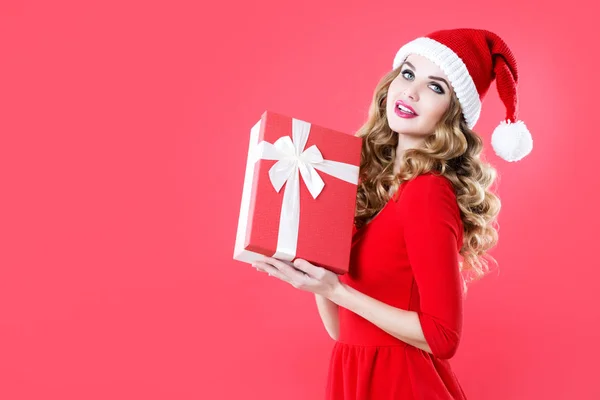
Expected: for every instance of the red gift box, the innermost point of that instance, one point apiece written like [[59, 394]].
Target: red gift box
[[299, 195]]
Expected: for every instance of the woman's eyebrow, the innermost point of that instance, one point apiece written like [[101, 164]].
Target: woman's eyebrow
[[437, 78]]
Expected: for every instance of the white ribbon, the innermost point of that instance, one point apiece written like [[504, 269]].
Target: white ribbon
[[291, 159]]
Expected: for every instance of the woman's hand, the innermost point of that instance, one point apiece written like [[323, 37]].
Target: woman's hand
[[302, 275]]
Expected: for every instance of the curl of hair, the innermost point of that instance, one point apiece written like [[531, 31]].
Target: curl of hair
[[452, 150]]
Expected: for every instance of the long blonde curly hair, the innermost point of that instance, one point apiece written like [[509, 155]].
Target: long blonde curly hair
[[453, 150]]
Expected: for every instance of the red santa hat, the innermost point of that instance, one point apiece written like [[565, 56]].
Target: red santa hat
[[472, 59]]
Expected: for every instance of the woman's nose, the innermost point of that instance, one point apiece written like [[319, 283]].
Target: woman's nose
[[410, 93]]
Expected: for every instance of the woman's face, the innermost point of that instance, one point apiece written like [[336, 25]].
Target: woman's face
[[424, 89]]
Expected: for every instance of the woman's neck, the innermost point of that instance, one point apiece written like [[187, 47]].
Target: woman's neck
[[405, 142]]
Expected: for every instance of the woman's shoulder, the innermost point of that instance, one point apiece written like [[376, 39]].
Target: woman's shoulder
[[426, 184], [429, 194], [431, 178]]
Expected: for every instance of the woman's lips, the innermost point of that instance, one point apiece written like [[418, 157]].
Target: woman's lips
[[401, 113]]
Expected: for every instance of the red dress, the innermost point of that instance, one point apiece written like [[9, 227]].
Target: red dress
[[407, 257]]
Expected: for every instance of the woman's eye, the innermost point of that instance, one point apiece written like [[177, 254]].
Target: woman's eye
[[438, 89], [406, 71]]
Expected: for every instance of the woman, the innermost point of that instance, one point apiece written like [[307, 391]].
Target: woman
[[424, 220]]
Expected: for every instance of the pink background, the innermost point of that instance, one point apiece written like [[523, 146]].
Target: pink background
[[123, 135]]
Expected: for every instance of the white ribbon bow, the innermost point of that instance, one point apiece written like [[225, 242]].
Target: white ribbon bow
[[292, 158]]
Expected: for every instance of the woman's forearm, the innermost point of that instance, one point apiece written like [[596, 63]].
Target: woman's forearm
[[329, 312], [399, 323]]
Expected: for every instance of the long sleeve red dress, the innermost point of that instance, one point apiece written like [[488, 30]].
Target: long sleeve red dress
[[407, 256]]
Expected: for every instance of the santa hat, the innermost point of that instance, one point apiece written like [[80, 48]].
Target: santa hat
[[472, 59]]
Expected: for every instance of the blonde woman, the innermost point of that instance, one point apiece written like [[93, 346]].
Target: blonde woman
[[425, 219]]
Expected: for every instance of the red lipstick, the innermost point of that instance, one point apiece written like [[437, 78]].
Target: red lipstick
[[403, 110]]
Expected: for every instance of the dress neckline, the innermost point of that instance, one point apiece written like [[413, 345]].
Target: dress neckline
[[394, 196], [378, 213]]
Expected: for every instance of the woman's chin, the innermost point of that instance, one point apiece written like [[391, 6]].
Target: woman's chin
[[404, 127]]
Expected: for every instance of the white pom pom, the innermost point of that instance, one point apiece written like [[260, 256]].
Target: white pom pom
[[512, 142]]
